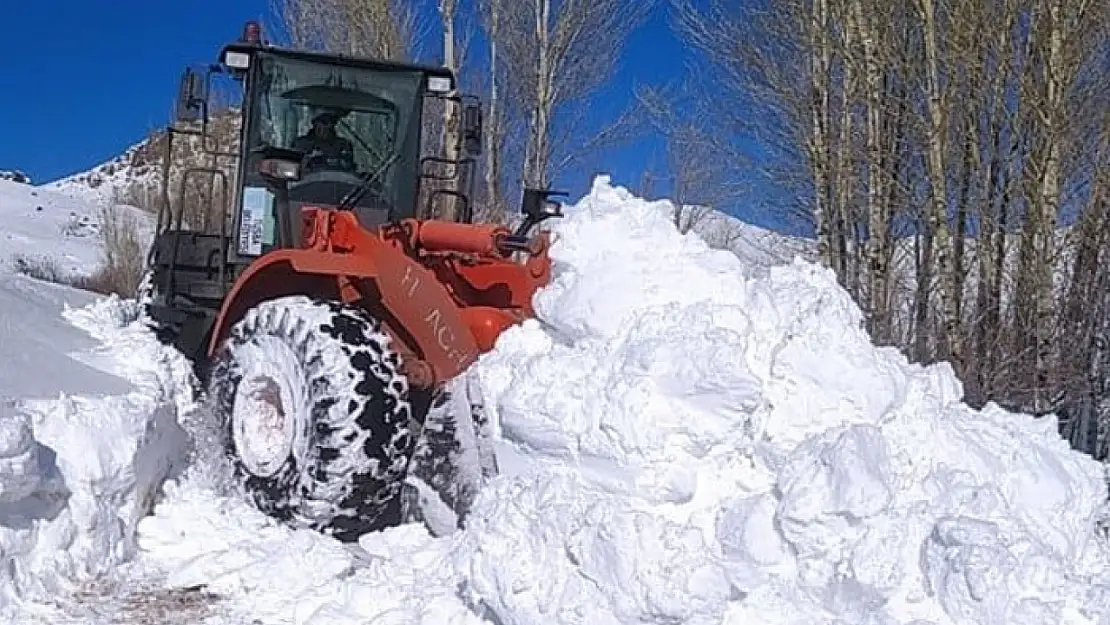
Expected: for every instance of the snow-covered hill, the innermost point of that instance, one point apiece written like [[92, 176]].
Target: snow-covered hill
[[58, 231], [692, 438], [137, 164], [36, 223]]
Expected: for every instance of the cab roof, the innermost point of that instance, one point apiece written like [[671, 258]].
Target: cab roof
[[345, 60]]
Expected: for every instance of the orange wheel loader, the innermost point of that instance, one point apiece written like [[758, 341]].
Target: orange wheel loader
[[325, 314]]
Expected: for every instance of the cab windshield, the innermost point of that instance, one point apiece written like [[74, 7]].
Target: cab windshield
[[348, 122]]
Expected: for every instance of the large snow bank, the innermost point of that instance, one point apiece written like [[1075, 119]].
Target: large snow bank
[[690, 440], [41, 354], [77, 472]]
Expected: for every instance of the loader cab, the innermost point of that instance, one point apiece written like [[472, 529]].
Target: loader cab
[[326, 131]]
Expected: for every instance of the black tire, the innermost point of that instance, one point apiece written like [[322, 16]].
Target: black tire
[[454, 456], [351, 432]]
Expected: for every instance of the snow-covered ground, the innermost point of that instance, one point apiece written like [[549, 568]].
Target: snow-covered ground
[[694, 438], [81, 466], [33, 334], [42, 224], [46, 228]]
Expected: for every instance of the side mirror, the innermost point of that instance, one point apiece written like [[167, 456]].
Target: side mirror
[[472, 127], [536, 206], [192, 97]]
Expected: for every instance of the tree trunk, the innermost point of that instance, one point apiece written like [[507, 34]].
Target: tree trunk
[[452, 140], [535, 169], [819, 131], [923, 247], [493, 126], [842, 168], [938, 213], [1044, 247], [878, 214], [963, 209], [991, 235]]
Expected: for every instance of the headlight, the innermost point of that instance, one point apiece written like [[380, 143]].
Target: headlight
[[237, 60], [439, 84]]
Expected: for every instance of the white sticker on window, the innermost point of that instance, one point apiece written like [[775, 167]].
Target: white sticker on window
[[256, 223]]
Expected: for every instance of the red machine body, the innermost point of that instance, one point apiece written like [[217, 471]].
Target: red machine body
[[444, 291]]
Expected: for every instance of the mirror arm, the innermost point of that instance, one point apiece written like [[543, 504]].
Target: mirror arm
[[532, 207]]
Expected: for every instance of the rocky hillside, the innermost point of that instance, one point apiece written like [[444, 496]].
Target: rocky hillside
[[135, 176], [15, 176], [136, 164]]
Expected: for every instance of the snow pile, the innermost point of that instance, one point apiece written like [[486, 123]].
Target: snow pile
[[712, 446], [687, 439], [77, 473]]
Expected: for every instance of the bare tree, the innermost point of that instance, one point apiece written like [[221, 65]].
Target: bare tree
[[495, 118], [764, 65], [701, 181], [938, 104], [559, 52], [450, 131], [384, 29], [877, 296], [818, 144]]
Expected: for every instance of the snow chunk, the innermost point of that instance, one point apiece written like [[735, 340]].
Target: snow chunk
[[551, 549]]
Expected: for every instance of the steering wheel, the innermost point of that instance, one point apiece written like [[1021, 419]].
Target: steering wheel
[[316, 161], [344, 182]]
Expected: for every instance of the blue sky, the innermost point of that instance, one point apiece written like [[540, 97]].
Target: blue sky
[[94, 77]]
